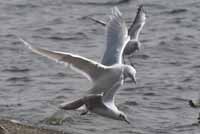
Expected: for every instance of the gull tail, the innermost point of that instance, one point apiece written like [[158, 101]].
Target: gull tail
[[72, 105]]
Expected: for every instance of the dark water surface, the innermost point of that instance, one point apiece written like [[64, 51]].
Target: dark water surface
[[168, 64]]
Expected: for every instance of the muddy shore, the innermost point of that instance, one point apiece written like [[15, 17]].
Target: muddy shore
[[12, 127]]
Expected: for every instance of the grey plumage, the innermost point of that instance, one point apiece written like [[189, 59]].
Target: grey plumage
[[134, 31], [106, 79]]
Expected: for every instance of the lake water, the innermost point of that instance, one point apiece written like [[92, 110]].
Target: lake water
[[168, 64]]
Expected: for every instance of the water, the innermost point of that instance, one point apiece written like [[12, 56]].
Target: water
[[167, 66]]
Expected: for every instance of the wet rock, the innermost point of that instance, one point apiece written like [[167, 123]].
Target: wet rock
[[3, 130], [11, 127]]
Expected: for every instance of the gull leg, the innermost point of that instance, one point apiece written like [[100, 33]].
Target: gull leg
[[84, 112], [131, 62], [83, 109]]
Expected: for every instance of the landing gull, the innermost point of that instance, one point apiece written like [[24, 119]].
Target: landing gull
[[106, 79], [134, 31]]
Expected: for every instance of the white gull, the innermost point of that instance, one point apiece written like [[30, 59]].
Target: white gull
[[134, 31], [106, 78]]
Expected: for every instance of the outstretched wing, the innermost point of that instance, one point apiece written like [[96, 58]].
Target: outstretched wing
[[137, 24], [88, 68], [117, 36]]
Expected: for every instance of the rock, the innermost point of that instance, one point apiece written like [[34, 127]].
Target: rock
[[9, 127], [3, 130]]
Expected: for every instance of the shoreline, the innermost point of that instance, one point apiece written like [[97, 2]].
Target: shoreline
[[8, 126]]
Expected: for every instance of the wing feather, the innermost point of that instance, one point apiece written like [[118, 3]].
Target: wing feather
[[137, 24], [117, 36], [87, 67]]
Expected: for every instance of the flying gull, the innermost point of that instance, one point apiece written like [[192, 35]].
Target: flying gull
[[133, 44], [106, 79]]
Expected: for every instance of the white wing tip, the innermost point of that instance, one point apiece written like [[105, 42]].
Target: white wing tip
[[115, 11], [25, 42]]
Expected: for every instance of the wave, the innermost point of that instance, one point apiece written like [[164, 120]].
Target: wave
[[16, 70], [15, 79], [109, 3], [176, 11], [59, 37]]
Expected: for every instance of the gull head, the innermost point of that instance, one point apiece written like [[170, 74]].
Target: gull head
[[122, 116], [129, 71], [141, 8], [135, 45], [142, 11]]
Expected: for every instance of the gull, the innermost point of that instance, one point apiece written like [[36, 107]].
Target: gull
[[133, 44], [195, 103], [106, 79]]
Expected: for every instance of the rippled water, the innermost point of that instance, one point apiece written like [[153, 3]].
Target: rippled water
[[168, 64]]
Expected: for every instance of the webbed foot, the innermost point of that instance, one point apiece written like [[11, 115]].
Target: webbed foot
[[84, 113]]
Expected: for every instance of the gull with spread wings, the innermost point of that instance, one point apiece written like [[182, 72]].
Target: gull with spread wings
[[134, 31], [106, 79]]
